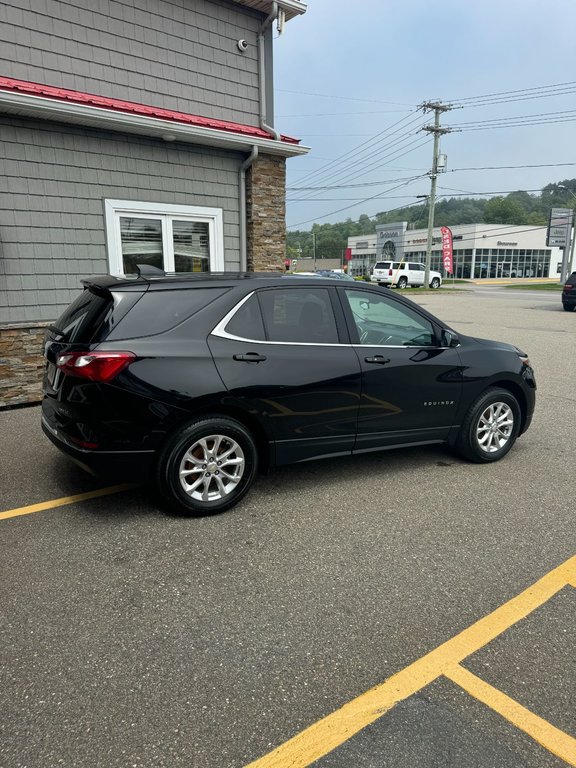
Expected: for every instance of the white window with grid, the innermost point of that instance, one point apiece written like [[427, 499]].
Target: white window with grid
[[175, 238]]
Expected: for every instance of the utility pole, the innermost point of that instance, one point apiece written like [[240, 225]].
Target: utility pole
[[314, 249], [438, 131]]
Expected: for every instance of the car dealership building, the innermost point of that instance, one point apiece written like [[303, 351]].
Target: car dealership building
[[480, 250]]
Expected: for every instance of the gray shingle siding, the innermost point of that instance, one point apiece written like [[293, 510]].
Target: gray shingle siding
[[55, 179], [174, 54]]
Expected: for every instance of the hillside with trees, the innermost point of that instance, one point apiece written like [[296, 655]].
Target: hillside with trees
[[515, 208]]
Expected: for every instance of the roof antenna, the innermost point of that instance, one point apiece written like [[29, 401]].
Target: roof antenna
[[147, 270]]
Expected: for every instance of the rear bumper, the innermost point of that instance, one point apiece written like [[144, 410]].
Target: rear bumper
[[132, 466]]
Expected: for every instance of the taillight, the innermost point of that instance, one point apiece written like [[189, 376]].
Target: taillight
[[389, 273], [94, 366]]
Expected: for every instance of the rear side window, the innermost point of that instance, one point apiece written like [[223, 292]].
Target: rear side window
[[287, 315], [299, 315], [247, 322], [160, 311]]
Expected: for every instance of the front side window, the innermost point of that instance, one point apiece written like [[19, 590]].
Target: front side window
[[380, 321], [174, 238]]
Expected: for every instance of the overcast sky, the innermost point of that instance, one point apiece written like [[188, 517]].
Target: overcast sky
[[352, 73]]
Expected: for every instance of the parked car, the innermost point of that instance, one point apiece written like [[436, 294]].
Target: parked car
[[199, 381], [402, 274], [569, 293], [336, 275]]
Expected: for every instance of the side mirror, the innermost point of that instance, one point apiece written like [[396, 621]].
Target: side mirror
[[449, 338]]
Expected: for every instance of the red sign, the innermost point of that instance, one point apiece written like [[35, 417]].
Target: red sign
[[447, 259], [348, 255]]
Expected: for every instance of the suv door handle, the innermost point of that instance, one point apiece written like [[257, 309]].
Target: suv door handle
[[250, 357], [378, 359]]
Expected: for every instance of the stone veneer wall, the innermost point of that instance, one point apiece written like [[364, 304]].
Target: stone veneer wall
[[266, 214], [21, 363]]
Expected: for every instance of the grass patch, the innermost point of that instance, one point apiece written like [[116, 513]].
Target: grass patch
[[536, 286]]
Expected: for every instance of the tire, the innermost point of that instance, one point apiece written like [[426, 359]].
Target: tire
[[435, 282], [569, 307], [479, 439], [189, 476], [403, 282]]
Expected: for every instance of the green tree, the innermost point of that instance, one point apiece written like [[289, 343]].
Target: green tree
[[502, 210]]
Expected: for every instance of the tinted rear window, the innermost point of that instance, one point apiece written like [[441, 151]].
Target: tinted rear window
[[83, 319], [382, 265]]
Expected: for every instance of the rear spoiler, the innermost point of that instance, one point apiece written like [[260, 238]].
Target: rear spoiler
[[106, 283]]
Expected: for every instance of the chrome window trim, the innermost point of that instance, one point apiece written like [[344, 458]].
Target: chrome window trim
[[219, 330]]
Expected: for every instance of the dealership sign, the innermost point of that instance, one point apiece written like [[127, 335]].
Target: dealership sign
[[559, 227], [447, 256]]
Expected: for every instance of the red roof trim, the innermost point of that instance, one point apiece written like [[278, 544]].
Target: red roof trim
[[142, 110]]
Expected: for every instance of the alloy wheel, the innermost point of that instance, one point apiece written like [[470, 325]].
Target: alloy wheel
[[212, 468], [495, 427]]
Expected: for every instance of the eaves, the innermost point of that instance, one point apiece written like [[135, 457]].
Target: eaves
[[31, 100]]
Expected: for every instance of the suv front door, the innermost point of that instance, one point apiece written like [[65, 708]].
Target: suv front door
[[411, 385]]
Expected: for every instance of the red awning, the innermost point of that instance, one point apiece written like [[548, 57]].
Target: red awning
[[142, 110]]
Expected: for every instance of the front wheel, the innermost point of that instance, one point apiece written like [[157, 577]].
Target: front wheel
[[207, 466], [490, 427], [435, 282], [569, 307]]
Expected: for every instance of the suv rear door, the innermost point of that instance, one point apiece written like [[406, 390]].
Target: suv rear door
[[281, 350]]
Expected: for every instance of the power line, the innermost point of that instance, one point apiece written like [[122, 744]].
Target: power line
[[345, 98], [341, 175], [519, 117], [344, 114], [518, 91], [378, 138], [517, 125], [392, 210], [451, 170], [346, 208]]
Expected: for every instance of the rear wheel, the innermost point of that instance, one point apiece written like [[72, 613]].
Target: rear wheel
[[569, 307], [403, 282], [490, 427], [207, 466]]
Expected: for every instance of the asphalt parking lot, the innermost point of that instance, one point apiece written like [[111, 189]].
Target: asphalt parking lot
[[398, 609]]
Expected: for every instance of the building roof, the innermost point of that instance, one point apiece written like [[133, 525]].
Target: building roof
[[290, 7], [35, 99]]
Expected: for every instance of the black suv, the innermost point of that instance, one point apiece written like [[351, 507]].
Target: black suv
[[199, 381], [569, 293]]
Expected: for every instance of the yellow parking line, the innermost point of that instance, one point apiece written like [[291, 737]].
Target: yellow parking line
[[325, 735], [65, 500], [559, 743]]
